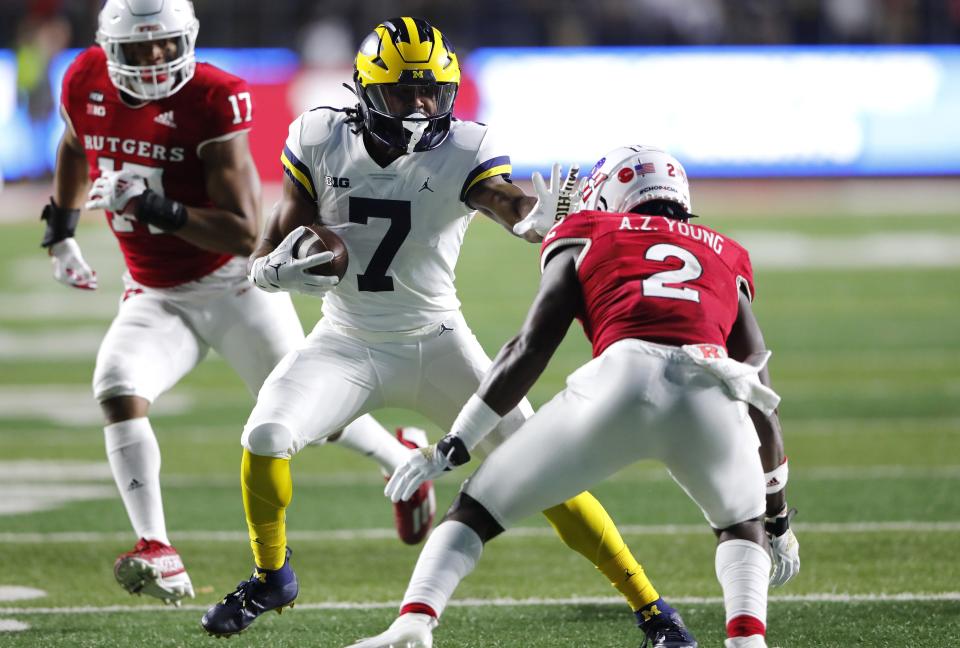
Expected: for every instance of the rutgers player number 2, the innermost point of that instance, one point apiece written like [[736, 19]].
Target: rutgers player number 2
[[654, 285]]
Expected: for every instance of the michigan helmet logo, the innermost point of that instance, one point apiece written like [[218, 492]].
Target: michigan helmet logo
[[406, 76]]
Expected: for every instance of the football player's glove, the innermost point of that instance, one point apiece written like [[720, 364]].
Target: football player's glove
[[69, 267], [553, 202], [279, 270], [114, 190], [426, 464], [784, 547]]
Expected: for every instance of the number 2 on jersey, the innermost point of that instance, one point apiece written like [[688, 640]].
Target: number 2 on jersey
[[374, 278], [654, 285]]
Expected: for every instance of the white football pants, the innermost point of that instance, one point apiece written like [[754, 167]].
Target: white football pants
[[635, 401], [160, 335], [336, 376]]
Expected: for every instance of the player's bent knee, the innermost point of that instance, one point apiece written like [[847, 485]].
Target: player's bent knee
[[269, 440], [751, 530], [469, 511]]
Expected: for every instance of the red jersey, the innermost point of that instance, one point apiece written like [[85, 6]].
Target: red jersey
[[160, 140], [653, 278]]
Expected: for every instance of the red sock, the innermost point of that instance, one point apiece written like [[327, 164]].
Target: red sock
[[745, 626], [420, 608]]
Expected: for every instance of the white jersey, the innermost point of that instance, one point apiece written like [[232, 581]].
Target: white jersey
[[403, 225]]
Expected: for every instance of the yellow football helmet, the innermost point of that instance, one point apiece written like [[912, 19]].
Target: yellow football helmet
[[406, 75]]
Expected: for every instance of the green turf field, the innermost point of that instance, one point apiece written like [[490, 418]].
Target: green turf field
[[865, 357]]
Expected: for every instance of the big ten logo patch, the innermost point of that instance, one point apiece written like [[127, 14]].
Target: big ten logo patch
[[333, 181]]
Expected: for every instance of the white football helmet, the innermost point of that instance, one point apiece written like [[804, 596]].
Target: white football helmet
[[136, 21], [629, 176]]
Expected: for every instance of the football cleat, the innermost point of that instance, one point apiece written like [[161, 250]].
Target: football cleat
[[667, 631], [411, 630], [154, 569], [265, 590], [753, 641], [414, 517]]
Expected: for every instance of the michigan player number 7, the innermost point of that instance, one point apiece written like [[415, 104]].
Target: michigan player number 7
[[374, 278]]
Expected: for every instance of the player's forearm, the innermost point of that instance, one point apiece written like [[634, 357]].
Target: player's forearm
[[219, 230], [771, 452], [71, 177], [502, 202], [514, 371]]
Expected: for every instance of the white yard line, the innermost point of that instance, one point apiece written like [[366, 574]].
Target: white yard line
[[72, 405], [12, 625], [517, 532], [42, 471], [911, 249], [903, 597]]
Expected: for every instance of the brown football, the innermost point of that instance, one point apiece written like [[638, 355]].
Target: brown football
[[318, 239]]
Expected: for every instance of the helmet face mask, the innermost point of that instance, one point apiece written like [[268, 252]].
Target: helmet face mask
[[406, 76], [630, 176], [127, 23]]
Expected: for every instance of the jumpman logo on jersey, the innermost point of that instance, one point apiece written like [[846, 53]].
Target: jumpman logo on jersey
[[443, 327], [426, 186]]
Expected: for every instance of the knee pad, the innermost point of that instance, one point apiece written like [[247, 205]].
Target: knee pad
[[270, 440]]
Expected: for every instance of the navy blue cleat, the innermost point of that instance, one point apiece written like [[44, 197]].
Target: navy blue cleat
[[663, 627], [265, 590]]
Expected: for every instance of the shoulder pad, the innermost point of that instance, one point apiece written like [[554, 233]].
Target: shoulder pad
[[318, 124]]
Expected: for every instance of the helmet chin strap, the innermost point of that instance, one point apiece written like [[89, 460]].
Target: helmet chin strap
[[416, 123]]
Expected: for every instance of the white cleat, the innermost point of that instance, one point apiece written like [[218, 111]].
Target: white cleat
[[154, 569], [411, 630], [753, 641]]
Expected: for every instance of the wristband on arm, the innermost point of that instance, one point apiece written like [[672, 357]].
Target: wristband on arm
[[474, 422], [154, 209], [777, 478], [61, 223], [453, 448]]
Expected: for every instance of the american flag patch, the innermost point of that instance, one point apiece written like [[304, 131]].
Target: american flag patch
[[644, 168]]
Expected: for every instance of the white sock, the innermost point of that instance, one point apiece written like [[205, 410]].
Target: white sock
[[134, 457], [451, 553], [743, 569], [369, 438]]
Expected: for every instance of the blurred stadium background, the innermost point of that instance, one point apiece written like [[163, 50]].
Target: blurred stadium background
[[823, 134]]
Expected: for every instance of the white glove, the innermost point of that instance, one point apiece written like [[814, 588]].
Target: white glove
[[114, 190], [784, 548], [553, 203], [426, 464], [280, 271], [69, 267]]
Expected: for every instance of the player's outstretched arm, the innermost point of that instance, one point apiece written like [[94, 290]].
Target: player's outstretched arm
[[521, 360], [70, 179], [746, 339], [514, 370], [503, 202]]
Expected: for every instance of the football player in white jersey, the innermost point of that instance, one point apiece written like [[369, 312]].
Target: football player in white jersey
[[398, 179], [185, 223]]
